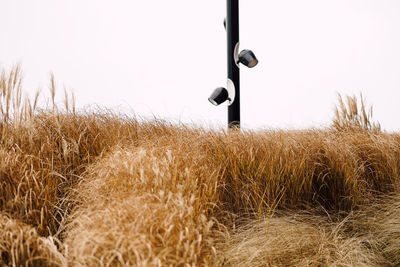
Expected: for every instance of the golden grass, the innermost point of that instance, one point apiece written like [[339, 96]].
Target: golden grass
[[95, 188], [148, 204], [44, 153], [21, 245], [296, 241], [369, 236]]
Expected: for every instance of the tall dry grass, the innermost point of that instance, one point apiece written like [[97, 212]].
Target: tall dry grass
[[104, 189], [368, 236], [300, 240], [44, 152], [351, 114], [21, 245]]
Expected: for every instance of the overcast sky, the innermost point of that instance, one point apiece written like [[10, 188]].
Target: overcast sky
[[164, 58]]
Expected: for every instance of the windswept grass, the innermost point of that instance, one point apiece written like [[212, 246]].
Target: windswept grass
[[352, 115], [21, 245], [96, 188], [44, 152], [297, 240]]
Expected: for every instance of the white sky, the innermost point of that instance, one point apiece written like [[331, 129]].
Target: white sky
[[165, 57]]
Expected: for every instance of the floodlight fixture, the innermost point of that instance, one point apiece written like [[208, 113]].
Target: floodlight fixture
[[219, 96], [247, 58]]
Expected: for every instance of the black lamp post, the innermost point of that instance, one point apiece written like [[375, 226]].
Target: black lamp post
[[246, 57]]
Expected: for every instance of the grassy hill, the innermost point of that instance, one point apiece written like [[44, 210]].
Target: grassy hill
[[98, 189]]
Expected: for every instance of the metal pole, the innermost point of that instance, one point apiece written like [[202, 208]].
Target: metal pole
[[246, 58], [232, 29]]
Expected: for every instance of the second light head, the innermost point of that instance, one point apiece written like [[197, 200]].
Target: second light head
[[248, 58]]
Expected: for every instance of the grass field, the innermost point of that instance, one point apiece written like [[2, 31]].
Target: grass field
[[95, 188]]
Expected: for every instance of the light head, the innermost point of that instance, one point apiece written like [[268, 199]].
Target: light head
[[247, 58], [219, 96]]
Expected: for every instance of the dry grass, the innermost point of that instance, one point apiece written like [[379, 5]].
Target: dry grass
[[354, 115], [115, 191], [379, 223], [369, 236], [44, 153], [150, 206], [21, 245], [296, 241]]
